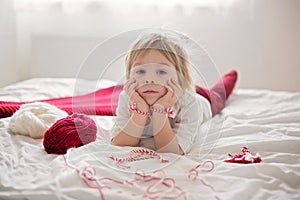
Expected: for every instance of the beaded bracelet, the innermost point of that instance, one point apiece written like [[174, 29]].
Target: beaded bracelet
[[134, 108]]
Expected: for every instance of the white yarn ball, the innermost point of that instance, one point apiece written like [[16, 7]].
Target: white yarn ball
[[33, 119]]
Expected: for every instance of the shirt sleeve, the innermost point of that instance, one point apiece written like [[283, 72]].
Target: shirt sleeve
[[122, 114], [194, 111]]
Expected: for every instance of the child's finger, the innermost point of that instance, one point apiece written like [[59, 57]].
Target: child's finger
[[132, 81], [170, 92], [171, 85], [130, 85], [177, 88], [134, 96], [169, 89], [174, 84], [129, 81]]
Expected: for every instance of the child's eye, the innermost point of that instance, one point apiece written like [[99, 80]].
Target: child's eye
[[161, 72], [140, 71]]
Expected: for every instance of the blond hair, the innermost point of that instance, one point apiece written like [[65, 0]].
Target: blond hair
[[172, 51]]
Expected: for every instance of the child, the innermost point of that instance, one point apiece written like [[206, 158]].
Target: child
[[159, 108]]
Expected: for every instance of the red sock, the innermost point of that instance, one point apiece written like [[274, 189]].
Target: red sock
[[229, 81], [220, 92]]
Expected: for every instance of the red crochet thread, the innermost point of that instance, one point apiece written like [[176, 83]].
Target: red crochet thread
[[245, 157], [72, 131]]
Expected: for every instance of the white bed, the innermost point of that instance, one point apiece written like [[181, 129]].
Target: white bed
[[267, 122]]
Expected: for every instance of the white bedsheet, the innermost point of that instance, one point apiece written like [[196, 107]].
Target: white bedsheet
[[267, 122]]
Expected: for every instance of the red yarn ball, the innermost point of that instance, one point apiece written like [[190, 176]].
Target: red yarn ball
[[72, 131]]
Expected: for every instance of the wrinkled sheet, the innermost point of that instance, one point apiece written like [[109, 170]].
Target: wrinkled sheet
[[267, 122]]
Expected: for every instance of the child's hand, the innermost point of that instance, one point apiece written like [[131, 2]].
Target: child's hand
[[130, 88], [174, 92]]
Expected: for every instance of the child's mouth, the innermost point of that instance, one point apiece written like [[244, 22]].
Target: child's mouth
[[150, 92]]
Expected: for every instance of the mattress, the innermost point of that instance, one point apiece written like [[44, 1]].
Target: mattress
[[267, 122]]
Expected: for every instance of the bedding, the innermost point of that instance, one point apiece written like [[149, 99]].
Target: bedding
[[267, 122]]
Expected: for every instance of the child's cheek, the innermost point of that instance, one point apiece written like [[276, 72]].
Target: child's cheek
[[140, 82], [138, 85]]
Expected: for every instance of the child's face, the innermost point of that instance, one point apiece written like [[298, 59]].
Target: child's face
[[152, 71]]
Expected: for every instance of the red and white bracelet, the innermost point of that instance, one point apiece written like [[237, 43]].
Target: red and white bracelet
[[167, 111], [134, 108]]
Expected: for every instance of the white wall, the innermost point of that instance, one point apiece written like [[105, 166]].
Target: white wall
[[8, 68], [259, 38]]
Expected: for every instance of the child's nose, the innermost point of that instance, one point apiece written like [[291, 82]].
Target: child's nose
[[151, 77], [149, 81]]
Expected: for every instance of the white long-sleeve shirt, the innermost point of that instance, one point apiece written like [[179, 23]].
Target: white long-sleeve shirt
[[188, 115]]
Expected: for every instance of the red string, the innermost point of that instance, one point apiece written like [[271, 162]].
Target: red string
[[194, 174], [173, 192], [136, 155], [152, 191], [85, 179], [88, 176]]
